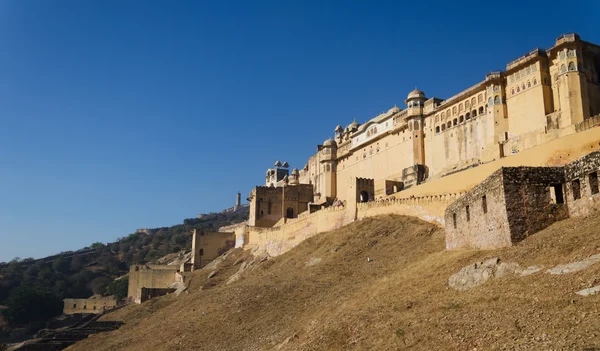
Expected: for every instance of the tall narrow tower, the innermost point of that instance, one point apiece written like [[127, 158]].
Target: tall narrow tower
[[238, 201]]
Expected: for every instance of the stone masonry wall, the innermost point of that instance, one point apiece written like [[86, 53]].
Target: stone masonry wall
[[529, 205], [487, 224], [586, 171]]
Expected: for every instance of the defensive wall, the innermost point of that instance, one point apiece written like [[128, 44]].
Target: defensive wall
[[150, 276], [95, 304], [277, 240]]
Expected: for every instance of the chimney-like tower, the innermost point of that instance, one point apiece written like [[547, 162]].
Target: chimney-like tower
[[238, 200]]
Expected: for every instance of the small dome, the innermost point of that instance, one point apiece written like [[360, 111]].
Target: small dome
[[329, 143], [393, 110], [416, 94], [353, 125], [339, 129], [285, 164], [277, 163], [295, 171]]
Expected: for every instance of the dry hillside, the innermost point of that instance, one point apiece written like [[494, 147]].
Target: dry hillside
[[378, 284]]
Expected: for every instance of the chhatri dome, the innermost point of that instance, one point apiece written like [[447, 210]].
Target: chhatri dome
[[416, 94], [393, 110], [329, 143]]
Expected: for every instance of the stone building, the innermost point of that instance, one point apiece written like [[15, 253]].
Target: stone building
[[151, 276], [516, 202], [270, 204], [541, 96], [95, 304], [206, 246]]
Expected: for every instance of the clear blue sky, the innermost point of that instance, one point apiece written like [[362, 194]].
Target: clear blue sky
[[117, 115]]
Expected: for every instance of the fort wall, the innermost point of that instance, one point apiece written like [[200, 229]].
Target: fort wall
[[150, 276], [95, 304]]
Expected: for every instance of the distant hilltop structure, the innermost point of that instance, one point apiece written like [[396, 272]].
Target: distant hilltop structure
[[238, 205]]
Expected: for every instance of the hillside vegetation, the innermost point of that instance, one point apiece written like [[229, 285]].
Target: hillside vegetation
[[32, 290], [377, 284]]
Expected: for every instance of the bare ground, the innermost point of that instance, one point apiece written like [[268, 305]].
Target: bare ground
[[399, 300]]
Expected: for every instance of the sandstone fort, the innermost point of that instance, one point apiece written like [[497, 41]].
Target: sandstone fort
[[493, 164]]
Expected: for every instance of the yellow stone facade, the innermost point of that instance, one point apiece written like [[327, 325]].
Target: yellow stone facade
[[540, 97]]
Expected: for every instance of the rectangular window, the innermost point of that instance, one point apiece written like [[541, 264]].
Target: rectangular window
[[576, 187], [593, 178], [468, 214], [484, 204], [556, 194]]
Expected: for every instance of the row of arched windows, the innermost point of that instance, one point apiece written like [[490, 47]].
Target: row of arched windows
[[459, 120], [523, 86]]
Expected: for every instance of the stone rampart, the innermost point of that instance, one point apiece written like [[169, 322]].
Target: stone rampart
[[430, 208]]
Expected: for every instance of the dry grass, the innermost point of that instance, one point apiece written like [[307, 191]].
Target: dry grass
[[399, 300]]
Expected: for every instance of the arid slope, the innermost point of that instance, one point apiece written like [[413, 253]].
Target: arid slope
[[378, 284]]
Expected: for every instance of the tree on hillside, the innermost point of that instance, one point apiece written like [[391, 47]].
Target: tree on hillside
[[99, 285], [97, 245], [28, 304], [118, 288]]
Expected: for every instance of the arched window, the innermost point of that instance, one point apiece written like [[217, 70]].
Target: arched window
[[528, 84], [449, 124], [460, 107], [443, 127], [481, 110], [480, 98], [490, 101], [534, 81], [467, 105], [454, 121], [473, 102], [454, 110], [561, 54], [443, 115], [497, 100], [523, 86], [571, 53], [474, 113], [461, 119], [571, 66], [468, 116], [518, 89], [437, 130], [512, 92], [437, 118], [563, 68]]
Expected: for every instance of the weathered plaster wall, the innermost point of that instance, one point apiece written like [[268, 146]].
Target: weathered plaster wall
[[94, 304], [150, 276], [206, 246], [278, 240]]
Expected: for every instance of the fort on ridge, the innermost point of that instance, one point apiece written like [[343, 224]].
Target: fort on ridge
[[420, 159]]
